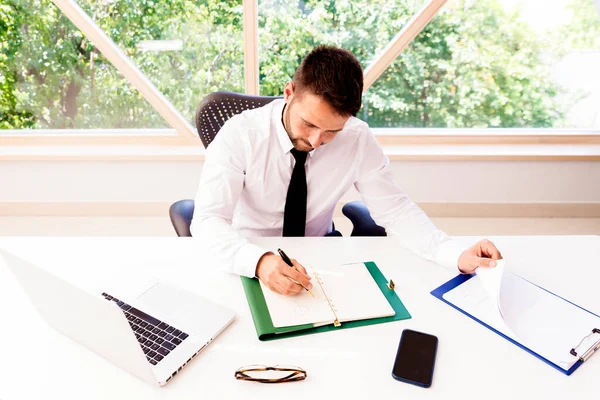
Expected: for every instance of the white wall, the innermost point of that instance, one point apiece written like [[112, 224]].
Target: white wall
[[166, 181]]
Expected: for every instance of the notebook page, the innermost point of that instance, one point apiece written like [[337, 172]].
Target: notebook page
[[299, 309], [354, 293], [350, 288]]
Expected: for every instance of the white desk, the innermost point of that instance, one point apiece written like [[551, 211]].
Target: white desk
[[37, 362]]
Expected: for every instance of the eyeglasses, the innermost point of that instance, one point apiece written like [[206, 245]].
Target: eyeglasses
[[276, 374]]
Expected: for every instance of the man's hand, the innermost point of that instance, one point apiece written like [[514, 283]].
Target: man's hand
[[482, 254], [280, 277]]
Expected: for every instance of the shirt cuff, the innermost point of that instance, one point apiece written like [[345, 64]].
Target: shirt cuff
[[448, 254], [246, 259]]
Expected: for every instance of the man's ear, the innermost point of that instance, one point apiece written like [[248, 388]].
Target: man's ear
[[288, 91]]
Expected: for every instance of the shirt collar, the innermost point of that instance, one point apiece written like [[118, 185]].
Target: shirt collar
[[282, 135]]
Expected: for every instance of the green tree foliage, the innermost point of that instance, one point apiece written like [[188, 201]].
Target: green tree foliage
[[11, 19], [288, 30], [583, 30], [474, 65], [59, 78]]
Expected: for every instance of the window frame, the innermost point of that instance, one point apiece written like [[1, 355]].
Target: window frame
[[183, 134]]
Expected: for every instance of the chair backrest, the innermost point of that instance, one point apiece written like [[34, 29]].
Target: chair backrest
[[216, 108]]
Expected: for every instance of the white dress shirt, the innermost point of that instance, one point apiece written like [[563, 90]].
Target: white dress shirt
[[245, 178]]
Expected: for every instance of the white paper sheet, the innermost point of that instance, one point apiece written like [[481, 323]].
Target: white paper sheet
[[299, 309], [532, 316], [351, 289], [491, 279]]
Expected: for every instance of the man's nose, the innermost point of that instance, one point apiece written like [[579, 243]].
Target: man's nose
[[315, 139]]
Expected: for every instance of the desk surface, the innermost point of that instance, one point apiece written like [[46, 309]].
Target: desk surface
[[38, 362]]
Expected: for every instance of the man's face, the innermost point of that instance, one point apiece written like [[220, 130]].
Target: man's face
[[310, 122]]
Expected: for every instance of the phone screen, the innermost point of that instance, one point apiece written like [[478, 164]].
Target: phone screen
[[415, 358]]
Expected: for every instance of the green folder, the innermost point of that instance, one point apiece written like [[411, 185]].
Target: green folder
[[264, 324]]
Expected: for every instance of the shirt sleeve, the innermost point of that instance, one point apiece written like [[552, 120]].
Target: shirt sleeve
[[221, 183], [391, 208]]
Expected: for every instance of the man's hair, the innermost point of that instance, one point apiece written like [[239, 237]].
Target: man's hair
[[333, 74]]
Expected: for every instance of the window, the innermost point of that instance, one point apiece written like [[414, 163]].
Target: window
[[55, 78], [477, 64], [52, 77], [187, 48], [288, 30], [491, 63]]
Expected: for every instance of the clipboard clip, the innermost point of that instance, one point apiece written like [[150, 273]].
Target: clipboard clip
[[591, 350]]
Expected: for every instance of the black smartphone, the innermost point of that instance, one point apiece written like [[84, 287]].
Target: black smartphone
[[415, 358]]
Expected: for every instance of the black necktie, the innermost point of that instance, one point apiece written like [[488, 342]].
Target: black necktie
[[294, 214]]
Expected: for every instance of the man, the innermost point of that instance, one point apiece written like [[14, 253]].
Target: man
[[282, 168]]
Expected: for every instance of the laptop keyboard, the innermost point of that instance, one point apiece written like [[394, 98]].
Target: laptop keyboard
[[156, 338]]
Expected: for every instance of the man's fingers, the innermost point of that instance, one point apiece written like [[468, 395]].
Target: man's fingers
[[283, 284], [288, 287], [296, 276], [489, 249], [468, 270], [484, 262], [476, 262], [482, 254], [274, 286], [280, 285], [300, 268]]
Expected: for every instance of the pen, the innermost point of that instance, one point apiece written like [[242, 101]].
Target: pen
[[289, 262]]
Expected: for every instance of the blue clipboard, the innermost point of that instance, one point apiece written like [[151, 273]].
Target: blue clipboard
[[459, 280]]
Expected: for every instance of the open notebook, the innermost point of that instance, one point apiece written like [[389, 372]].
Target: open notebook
[[345, 296], [548, 326], [341, 294]]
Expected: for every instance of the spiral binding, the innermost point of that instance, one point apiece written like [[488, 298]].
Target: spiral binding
[[336, 322]]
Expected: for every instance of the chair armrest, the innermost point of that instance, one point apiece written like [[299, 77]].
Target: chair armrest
[[181, 213], [363, 223]]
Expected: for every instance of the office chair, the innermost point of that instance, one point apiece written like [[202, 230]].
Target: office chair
[[212, 113]]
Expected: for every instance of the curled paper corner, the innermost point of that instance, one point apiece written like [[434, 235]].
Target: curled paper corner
[[491, 280]]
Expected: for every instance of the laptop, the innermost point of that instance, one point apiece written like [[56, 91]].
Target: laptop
[[152, 333]]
